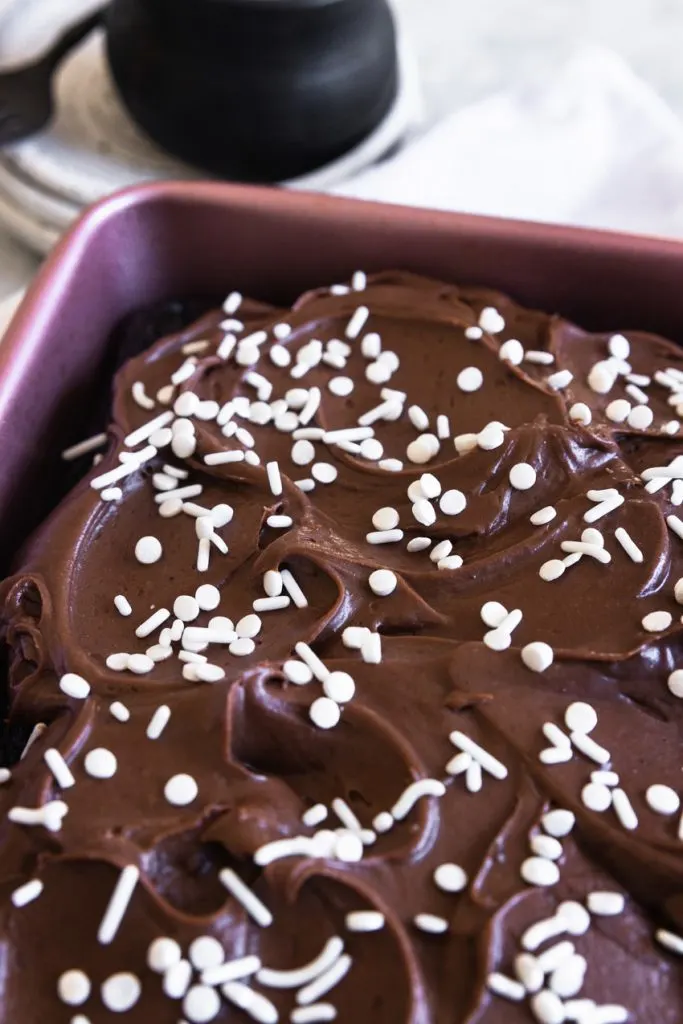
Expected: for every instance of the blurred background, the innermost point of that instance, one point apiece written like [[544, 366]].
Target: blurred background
[[563, 110]]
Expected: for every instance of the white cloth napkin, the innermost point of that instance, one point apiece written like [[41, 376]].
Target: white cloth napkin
[[593, 146]]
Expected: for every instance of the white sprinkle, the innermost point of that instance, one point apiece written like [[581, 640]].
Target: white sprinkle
[[207, 597], [357, 322], [431, 924], [452, 502], [422, 449], [155, 620], [670, 941], [547, 1008], [560, 380], [493, 613], [596, 797], [590, 748], [140, 396], [181, 790], [242, 647], [125, 469], [27, 893], [511, 351], [100, 763], [552, 570], [185, 607], [418, 544], [443, 427], [628, 544], [223, 458], [274, 478], [656, 622], [662, 799], [490, 438], [90, 444], [675, 525], [522, 476], [382, 822], [206, 952], [619, 347], [329, 955], [339, 687], [470, 379], [539, 358], [601, 378], [120, 992], [424, 513], [503, 986], [605, 904], [528, 972], [555, 755], [297, 672], [324, 713], [73, 987], [314, 815], [123, 605], [293, 589], [253, 1003], [231, 971], [413, 793], [271, 604], [450, 878], [111, 494], [318, 1013], [539, 871], [364, 921], [248, 626], [605, 778], [488, 762], [118, 904], [162, 954], [675, 683], [442, 550], [491, 321], [618, 410], [537, 656], [580, 413], [581, 547], [177, 978], [140, 664], [371, 650], [243, 894], [279, 522], [546, 846], [119, 711], [603, 509], [158, 722], [148, 550], [558, 822], [543, 930], [324, 472], [624, 809], [459, 764], [201, 1004], [580, 717], [451, 562], [383, 582], [74, 686]]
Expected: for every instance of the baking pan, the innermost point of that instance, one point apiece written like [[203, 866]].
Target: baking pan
[[176, 240]]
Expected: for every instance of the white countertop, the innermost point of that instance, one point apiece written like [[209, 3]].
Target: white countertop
[[467, 50]]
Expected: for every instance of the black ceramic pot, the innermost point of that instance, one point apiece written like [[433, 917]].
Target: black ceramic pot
[[254, 90]]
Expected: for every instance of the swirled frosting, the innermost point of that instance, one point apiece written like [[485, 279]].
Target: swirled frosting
[[349, 675]]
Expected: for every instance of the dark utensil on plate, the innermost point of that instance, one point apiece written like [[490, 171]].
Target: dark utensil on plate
[[26, 102], [255, 90]]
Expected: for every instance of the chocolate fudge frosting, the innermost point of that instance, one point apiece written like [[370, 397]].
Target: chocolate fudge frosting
[[347, 678]]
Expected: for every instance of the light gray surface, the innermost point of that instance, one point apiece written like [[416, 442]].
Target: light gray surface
[[468, 48]]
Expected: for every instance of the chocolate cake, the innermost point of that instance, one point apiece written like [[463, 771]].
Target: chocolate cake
[[345, 684]]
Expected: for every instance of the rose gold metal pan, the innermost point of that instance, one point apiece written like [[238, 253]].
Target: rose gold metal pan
[[177, 240]]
